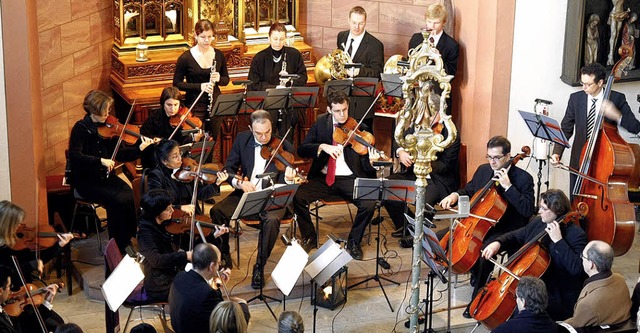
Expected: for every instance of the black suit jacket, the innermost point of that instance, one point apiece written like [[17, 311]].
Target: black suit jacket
[[448, 48], [191, 301], [181, 192], [322, 132], [6, 326], [576, 117], [370, 54], [527, 322], [264, 73], [519, 197]]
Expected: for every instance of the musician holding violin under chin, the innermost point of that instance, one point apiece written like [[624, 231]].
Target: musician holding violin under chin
[[248, 157], [11, 218], [565, 243], [333, 171], [90, 164]]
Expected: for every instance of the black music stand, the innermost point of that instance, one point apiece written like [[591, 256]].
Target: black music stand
[[227, 105], [251, 203], [251, 101], [198, 148], [337, 85], [391, 84], [380, 190]]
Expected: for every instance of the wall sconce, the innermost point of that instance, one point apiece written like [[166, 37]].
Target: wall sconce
[[334, 292], [141, 51]]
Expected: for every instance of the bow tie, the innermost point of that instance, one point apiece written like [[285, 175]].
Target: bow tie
[[257, 144]]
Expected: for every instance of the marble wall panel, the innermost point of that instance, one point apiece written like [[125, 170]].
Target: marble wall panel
[[401, 20], [74, 114], [75, 89], [81, 8], [52, 13], [57, 71], [49, 44], [316, 12], [102, 26], [75, 35], [52, 101], [340, 18], [87, 59], [56, 129], [329, 38]]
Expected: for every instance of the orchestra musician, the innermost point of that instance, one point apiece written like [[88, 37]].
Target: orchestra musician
[[601, 290], [11, 216], [515, 186], [565, 243], [158, 125], [346, 165], [6, 325], [436, 18], [194, 294], [269, 64], [589, 101], [90, 162], [195, 73], [245, 156], [364, 49]]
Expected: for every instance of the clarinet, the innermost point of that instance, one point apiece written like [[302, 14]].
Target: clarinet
[[213, 71], [283, 71]]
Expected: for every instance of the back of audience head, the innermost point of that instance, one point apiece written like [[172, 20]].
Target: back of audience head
[[533, 292], [290, 322], [600, 254], [70, 328], [227, 317], [143, 328]]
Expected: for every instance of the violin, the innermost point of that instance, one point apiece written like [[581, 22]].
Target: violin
[[27, 238], [17, 300], [112, 128], [190, 170], [180, 223], [495, 303], [487, 208], [273, 151], [191, 121], [348, 133]]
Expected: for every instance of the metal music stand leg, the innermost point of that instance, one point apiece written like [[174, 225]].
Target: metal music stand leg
[[261, 296]]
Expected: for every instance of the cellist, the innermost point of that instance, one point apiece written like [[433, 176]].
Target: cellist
[[582, 110], [565, 243], [515, 186]]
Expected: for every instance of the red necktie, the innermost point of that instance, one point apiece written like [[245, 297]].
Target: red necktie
[[431, 40], [331, 166]]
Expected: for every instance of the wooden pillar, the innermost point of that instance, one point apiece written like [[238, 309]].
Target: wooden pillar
[[24, 107]]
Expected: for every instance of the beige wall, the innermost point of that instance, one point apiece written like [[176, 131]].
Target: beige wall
[[75, 39]]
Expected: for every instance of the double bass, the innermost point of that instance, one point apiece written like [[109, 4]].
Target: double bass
[[487, 207], [606, 163]]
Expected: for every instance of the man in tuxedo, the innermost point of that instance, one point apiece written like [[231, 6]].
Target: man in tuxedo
[[6, 325], [582, 111], [245, 157], [436, 18], [333, 171], [366, 50], [191, 298], [515, 186]]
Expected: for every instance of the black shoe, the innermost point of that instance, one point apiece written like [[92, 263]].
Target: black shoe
[[377, 220], [310, 243], [227, 262], [406, 242], [257, 280], [398, 233], [355, 250], [466, 313]]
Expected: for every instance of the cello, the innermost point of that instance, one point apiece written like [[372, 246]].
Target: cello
[[487, 207], [606, 163], [494, 304]]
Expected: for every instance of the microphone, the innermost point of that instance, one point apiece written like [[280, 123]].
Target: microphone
[[241, 82], [294, 76], [540, 100], [266, 174]]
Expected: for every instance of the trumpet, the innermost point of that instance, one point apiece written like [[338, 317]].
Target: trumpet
[[213, 78]]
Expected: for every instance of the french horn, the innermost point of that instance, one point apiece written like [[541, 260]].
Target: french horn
[[331, 66]]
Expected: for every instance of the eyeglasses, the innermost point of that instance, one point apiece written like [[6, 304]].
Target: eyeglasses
[[494, 158], [584, 257]]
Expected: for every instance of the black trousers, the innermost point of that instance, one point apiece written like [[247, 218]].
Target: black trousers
[[117, 198], [317, 188], [269, 227]]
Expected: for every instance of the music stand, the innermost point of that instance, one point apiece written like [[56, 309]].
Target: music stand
[[251, 101], [227, 105], [380, 190], [337, 85], [251, 203], [545, 128], [322, 265], [197, 148], [276, 99], [392, 85]]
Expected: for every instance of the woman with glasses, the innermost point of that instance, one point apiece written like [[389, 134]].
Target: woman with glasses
[[194, 74], [565, 243]]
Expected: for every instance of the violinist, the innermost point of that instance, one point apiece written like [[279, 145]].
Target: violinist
[[202, 68], [90, 162], [246, 156], [582, 109], [6, 325], [11, 216], [333, 171], [564, 243], [515, 186]]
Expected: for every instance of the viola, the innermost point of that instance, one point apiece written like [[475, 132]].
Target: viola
[[180, 223], [191, 121], [46, 237], [17, 300], [495, 303], [273, 151], [487, 207], [112, 128], [348, 133], [190, 169]]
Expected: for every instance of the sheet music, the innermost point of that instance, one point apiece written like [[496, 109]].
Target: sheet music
[[323, 260], [289, 268], [122, 281]]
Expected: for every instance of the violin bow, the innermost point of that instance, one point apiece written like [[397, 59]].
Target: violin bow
[[184, 117], [28, 292], [276, 151], [115, 151], [363, 116], [194, 196]]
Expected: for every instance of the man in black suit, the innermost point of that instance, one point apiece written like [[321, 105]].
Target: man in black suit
[[245, 157], [532, 317], [586, 102], [366, 50], [191, 298], [436, 17], [6, 325], [333, 171], [515, 186]]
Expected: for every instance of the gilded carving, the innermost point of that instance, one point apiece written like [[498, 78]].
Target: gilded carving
[[117, 66], [149, 70]]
